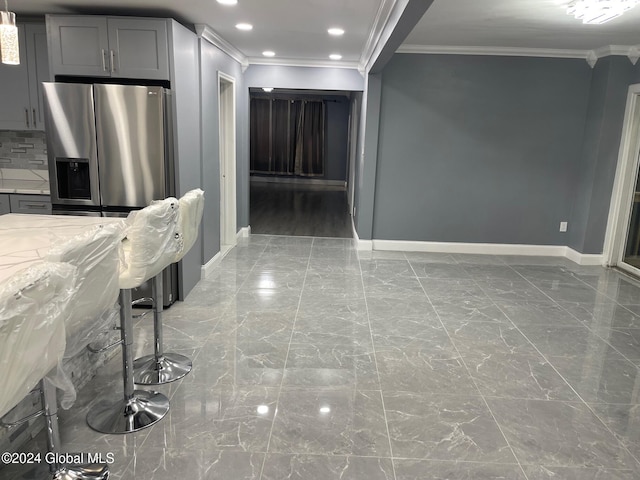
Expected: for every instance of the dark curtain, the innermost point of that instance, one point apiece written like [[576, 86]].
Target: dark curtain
[[260, 141], [287, 137], [309, 159]]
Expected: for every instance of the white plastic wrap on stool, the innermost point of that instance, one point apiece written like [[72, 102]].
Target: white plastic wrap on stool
[[96, 255], [189, 218], [152, 242], [33, 306]]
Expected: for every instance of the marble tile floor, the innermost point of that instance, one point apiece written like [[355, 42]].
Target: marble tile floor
[[315, 361]]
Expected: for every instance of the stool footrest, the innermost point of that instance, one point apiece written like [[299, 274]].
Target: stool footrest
[[17, 423]]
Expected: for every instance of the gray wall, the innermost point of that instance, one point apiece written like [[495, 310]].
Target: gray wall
[[596, 167], [212, 61], [478, 149], [337, 139], [307, 78], [366, 168], [186, 103]]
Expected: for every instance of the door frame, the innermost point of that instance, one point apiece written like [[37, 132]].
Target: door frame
[[227, 152], [624, 184]]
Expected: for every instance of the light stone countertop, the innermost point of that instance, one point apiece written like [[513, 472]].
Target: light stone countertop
[[31, 182], [26, 239]]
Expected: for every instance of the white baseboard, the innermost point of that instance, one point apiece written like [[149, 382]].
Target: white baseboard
[[584, 258], [244, 232], [207, 268], [489, 249], [360, 245]]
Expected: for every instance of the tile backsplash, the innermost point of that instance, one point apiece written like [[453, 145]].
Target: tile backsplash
[[26, 150]]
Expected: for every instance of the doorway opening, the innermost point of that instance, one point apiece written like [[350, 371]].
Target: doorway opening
[[302, 144], [227, 121], [622, 243]]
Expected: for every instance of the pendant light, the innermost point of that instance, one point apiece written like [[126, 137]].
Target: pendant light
[[9, 49]]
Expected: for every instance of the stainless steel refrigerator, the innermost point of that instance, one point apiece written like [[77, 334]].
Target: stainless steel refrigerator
[[110, 151]]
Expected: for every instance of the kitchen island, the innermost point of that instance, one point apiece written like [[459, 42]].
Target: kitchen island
[[92, 245]]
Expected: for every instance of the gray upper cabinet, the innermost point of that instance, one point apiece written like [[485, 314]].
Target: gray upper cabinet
[[21, 93], [119, 47], [38, 62]]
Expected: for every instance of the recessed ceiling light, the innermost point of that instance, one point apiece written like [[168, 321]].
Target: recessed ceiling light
[[244, 26], [269, 53], [227, 2], [335, 56], [336, 31], [268, 89]]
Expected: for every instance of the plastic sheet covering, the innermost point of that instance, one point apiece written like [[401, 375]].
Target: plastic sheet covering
[[96, 255], [189, 218], [152, 242], [33, 306]]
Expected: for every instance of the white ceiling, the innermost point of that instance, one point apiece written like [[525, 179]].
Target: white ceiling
[[541, 24], [297, 29]]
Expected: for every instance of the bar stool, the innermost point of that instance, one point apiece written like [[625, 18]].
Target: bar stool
[[34, 304], [96, 255], [152, 240], [160, 368]]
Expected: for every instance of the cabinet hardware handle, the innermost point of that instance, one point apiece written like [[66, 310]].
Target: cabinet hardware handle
[[113, 63], [104, 64], [34, 117], [26, 115]]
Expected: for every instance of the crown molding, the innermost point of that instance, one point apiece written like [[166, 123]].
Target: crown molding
[[207, 33], [301, 63], [379, 24], [590, 56]]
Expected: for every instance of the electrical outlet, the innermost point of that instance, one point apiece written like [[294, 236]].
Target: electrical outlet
[[563, 226]]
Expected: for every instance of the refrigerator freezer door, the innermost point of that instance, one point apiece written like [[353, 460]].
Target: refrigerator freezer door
[[131, 144], [71, 144]]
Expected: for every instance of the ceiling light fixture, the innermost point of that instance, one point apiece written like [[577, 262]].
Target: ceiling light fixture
[[269, 53], [335, 56], [599, 11], [227, 2], [244, 26], [9, 47], [268, 89], [336, 31]]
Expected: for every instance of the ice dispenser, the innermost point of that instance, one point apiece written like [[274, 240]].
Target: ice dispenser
[[73, 178]]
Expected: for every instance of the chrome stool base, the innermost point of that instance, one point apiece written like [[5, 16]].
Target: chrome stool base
[[97, 471], [159, 368], [140, 411], [170, 367], [94, 471]]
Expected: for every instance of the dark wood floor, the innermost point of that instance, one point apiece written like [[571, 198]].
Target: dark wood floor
[[300, 210]]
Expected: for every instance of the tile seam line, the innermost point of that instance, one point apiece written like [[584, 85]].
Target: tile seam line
[[469, 373], [375, 360], [286, 359]]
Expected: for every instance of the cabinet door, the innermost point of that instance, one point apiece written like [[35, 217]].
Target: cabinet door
[[4, 204], [38, 63], [30, 204], [78, 45], [14, 94], [139, 48]]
